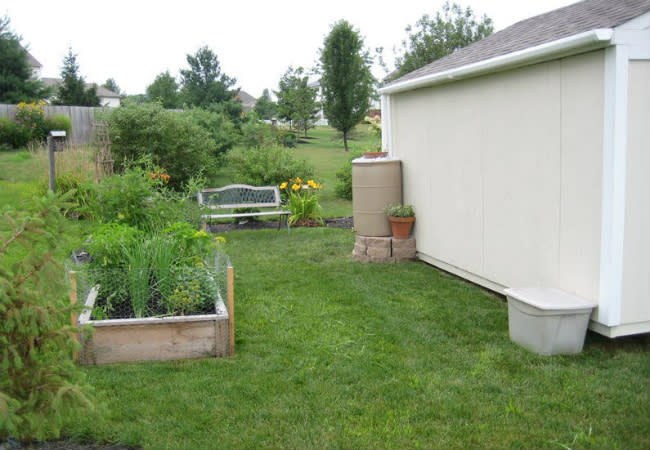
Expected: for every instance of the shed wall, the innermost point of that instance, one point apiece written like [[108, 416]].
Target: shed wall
[[505, 173], [636, 248]]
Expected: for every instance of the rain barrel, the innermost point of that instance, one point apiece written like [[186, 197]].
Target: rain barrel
[[376, 183]]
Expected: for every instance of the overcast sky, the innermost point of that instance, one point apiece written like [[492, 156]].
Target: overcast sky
[[255, 41]]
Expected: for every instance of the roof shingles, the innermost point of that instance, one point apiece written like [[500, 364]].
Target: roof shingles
[[557, 24]]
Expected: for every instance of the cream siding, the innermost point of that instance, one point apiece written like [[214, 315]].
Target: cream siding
[[504, 171], [636, 249]]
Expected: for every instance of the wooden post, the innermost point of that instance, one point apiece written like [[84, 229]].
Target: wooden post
[[231, 309], [51, 163], [73, 301]]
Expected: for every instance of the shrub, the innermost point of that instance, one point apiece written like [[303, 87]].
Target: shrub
[[256, 134], [41, 386], [13, 135], [221, 129], [59, 122], [172, 139], [265, 166], [343, 189], [286, 138], [31, 116]]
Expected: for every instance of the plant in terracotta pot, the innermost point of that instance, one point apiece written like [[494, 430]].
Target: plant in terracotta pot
[[401, 218]]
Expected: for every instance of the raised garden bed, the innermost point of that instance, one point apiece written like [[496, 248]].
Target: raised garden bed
[[154, 338]]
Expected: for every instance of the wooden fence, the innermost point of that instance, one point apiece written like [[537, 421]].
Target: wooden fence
[[82, 118]]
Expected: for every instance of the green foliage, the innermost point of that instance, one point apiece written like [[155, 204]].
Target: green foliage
[[434, 37], [16, 81], [40, 386], [164, 89], [221, 129], [31, 116], [112, 86], [173, 140], [256, 134], [73, 89], [347, 82], [59, 122], [13, 135], [399, 210], [297, 100], [203, 83], [303, 201], [343, 188], [265, 166], [265, 107]]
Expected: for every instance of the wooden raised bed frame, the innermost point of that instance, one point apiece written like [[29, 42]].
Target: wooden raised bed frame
[[156, 338]]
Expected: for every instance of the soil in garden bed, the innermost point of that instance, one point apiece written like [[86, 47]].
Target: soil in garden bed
[[340, 222]]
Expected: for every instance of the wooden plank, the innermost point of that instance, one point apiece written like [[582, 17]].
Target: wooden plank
[[73, 301], [231, 309]]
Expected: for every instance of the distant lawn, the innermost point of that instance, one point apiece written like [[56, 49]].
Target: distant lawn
[[332, 353], [323, 149]]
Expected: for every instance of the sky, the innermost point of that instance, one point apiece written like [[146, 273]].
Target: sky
[[255, 41]]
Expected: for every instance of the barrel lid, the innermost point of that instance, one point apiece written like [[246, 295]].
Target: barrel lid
[[550, 298], [387, 160]]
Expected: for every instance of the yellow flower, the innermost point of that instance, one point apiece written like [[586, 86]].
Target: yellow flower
[[311, 183], [295, 187], [284, 185], [298, 180]]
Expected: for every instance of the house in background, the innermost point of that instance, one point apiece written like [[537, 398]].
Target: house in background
[[527, 158], [35, 65], [106, 96], [247, 100]]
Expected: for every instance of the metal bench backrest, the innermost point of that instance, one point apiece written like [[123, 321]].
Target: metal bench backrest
[[240, 196]]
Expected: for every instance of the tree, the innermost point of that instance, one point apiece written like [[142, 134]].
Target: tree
[[433, 38], [112, 86], [203, 83], [73, 89], [265, 107], [297, 100], [16, 81], [346, 80], [164, 89]]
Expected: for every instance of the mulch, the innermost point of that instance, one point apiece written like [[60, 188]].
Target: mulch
[[248, 224]]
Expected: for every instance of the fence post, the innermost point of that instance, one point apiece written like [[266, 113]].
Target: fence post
[[231, 309], [73, 301]]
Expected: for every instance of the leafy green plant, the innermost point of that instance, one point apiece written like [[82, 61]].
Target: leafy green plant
[[343, 188], [59, 122], [174, 140], [40, 387], [399, 210], [13, 135], [303, 201], [265, 166]]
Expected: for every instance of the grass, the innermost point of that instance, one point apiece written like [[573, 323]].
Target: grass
[[332, 353]]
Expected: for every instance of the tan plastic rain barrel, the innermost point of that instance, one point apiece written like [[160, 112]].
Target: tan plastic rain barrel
[[375, 183]]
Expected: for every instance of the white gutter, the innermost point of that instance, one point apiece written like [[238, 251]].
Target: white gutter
[[597, 38]]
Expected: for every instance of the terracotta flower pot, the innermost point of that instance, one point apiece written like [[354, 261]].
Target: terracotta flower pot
[[375, 154], [401, 226]]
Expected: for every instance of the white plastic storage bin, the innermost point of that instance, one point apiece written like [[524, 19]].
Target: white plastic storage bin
[[548, 321]]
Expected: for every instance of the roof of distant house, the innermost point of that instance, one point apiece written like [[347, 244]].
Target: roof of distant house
[[548, 27], [33, 62], [101, 90], [245, 98]]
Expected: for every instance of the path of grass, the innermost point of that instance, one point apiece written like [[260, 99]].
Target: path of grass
[[336, 354]]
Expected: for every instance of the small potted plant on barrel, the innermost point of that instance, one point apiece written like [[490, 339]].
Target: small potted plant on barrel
[[401, 218]]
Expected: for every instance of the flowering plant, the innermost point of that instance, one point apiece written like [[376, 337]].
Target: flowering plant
[[303, 201]]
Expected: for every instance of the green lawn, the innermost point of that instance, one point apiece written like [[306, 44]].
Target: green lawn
[[332, 353], [323, 149]]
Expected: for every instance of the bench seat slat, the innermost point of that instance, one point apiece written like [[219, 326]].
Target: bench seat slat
[[234, 215]]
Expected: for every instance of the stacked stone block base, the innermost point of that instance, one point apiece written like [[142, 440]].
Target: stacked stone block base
[[383, 249]]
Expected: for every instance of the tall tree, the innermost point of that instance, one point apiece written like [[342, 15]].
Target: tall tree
[[164, 89], [204, 83], [17, 83], [265, 107], [296, 99], [73, 88], [112, 86], [346, 80], [434, 37]]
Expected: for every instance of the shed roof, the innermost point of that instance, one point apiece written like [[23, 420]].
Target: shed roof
[[548, 27]]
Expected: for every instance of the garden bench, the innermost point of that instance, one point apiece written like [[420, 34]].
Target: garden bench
[[242, 196]]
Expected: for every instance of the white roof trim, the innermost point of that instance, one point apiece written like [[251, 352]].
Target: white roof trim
[[597, 38]]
